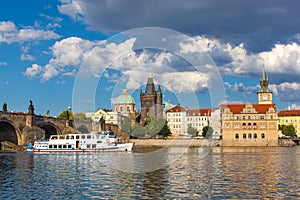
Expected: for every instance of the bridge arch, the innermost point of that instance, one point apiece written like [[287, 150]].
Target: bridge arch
[[9, 132], [50, 129]]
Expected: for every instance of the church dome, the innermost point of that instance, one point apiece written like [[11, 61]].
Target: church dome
[[125, 98]]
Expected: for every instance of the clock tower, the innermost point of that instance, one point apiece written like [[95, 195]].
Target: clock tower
[[264, 94]]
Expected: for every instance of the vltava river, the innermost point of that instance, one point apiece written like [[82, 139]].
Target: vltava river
[[224, 173]]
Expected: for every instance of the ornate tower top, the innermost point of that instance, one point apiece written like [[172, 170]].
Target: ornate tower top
[[264, 81], [150, 88], [264, 94]]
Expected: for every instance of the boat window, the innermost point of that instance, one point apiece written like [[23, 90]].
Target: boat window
[[64, 146], [69, 146], [59, 146], [54, 138], [99, 141], [72, 137], [88, 146], [83, 137], [93, 146], [67, 137], [50, 146], [88, 137], [62, 137], [77, 136], [55, 146]]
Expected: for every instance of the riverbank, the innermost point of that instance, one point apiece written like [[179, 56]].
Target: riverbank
[[185, 142], [175, 142]]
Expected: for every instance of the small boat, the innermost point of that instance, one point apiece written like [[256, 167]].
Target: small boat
[[89, 142]]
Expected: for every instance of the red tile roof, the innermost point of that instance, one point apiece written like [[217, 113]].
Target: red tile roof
[[192, 112], [260, 108], [289, 113], [199, 112], [177, 109]]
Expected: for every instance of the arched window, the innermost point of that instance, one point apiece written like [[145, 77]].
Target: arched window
[[262, 135], [249, 136], [237, 136], [128, 109], [121, 108], [254, 135], [244, 136]]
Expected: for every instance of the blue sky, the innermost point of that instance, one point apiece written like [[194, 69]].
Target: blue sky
[[83, 53]]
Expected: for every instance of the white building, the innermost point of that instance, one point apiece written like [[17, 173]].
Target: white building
[[176, 117], [198, 118]]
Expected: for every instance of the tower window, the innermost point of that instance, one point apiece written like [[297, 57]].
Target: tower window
[[236, 136], [244, 136], [262, 135]]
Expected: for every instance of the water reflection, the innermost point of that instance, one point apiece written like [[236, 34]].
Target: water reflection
[[225, 173]]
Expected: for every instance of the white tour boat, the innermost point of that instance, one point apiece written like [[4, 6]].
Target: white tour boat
[[89, 142]]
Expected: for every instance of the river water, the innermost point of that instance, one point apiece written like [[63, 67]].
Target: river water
[[220, 173]]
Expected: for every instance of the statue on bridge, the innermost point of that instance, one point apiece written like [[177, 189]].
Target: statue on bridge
[[102, 123], [4, 109], [31, 108]]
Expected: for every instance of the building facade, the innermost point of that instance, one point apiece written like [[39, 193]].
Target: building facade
[[179, 118], [151, 102], [290, 117], [125, 103], [251, 124]]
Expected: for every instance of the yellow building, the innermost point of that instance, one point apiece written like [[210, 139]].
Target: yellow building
[[251, 124], [290, 117]]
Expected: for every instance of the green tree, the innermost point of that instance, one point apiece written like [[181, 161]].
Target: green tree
[[126, 125], [193, 132], [207, 131], [154, 126], [289, 130], [81, 117], [165, 131], [63, 115], [138, 131]]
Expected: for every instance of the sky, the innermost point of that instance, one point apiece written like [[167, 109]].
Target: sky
[[203, 53]]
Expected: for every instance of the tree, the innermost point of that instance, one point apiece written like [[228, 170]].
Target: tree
[[165, 131], [63, 115], [207, 131], [193, 132], [154, 126], [289, 130], [126, 125], [81, 117], [133, 130]]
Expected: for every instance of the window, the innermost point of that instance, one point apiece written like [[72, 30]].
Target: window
[[249, 136], [244, 136], [262, 117], [262, 125], [83, 137], [262, 135], [249, 117], [236, 126], [128, 109], [88, 137], [236, 136], [121, 108], [254, 135]]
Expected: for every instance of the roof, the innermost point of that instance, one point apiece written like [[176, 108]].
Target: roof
[[125, 98], [177, 109], [199, 112], [285, 113], [191, 112], [238, 108]]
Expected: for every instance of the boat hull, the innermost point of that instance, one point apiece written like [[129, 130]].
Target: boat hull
[[127, 147]]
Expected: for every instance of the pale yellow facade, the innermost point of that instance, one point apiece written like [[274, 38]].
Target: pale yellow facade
[[249, 125], [290, 117]]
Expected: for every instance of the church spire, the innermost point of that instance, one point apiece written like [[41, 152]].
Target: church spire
[[264, 81]]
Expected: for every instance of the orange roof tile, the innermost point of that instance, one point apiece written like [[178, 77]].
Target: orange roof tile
[[237, 108], [285, 113], [199, 112], [177, 109]]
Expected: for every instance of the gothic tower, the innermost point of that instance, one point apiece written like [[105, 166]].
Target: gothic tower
[[151, 102], [264, 94]]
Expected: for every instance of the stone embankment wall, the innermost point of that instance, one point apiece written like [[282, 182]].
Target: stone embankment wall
[[175, 142]]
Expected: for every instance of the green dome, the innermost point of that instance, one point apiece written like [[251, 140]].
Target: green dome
[[125, 98]]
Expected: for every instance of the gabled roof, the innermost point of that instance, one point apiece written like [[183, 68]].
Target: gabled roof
[[238, 108], [199, 112], [285, 113], [177, 109]]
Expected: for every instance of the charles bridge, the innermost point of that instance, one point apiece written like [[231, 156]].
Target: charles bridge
[[20, 128]]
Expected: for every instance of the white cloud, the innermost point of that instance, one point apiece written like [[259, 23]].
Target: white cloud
[[33, 71], [240, 87], [3, 63], [10, 34], [295, 107], [27, 57]]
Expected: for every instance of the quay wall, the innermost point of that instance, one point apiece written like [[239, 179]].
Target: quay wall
[[175, 142]]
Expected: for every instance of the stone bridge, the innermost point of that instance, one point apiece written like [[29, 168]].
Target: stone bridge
[[20, 128]]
